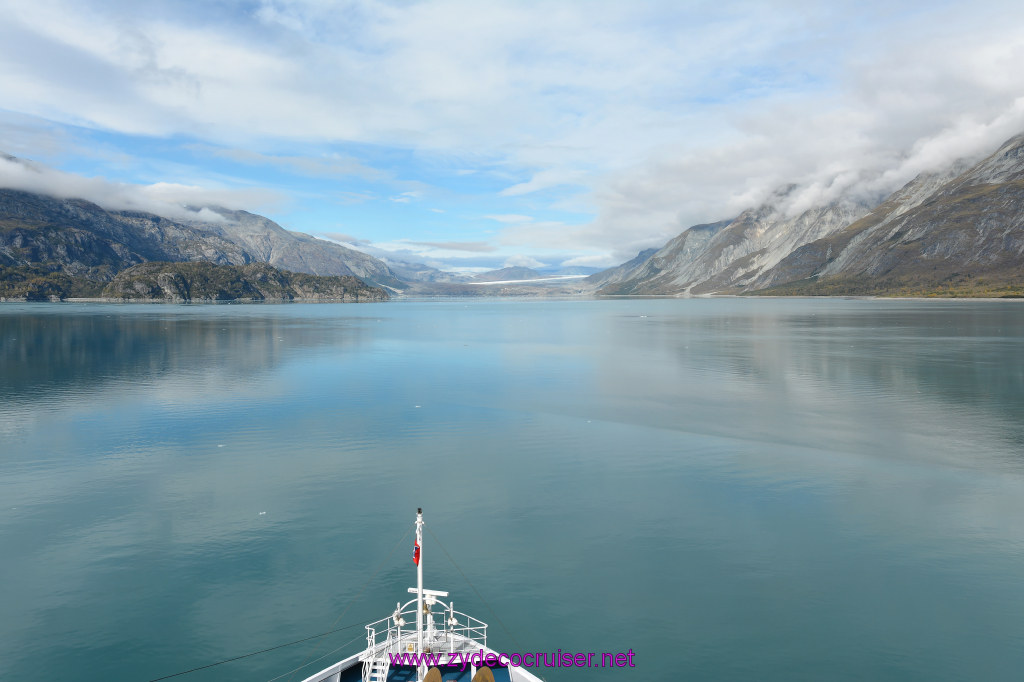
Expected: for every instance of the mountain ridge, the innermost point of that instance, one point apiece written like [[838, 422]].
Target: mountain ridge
[[54, 247], [958, 231], [964, 236], [268, 242]]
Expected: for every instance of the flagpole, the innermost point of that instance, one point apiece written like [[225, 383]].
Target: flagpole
[[419, 586]]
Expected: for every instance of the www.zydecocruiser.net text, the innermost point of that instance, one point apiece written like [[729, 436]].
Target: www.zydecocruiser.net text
[[479, 659]]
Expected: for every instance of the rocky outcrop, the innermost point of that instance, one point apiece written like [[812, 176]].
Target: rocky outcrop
[[203, 281]]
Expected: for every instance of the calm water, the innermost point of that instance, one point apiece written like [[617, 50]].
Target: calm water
[[734, 489]]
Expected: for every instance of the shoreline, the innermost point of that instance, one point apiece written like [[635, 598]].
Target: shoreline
[[197, 301], [441, 297]]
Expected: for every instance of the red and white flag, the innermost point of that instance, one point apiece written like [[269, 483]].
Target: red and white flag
[[416, 553]]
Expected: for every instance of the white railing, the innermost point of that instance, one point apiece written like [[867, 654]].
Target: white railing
[[440, 634]]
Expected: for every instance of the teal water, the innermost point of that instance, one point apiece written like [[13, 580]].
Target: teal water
[[733, 489]]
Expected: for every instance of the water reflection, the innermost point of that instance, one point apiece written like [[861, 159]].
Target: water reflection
[[888, 378], [60, 348]]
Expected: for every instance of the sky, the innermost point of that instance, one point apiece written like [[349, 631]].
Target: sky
[[477, 134]]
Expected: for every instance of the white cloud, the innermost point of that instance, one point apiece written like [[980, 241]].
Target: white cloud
[[545, 180], [523, 261], [533, 82], [324, 165], [904, 111], [430, 252], [469, 247], [657, 115], [602, 260], [164, 199], [510, 218]]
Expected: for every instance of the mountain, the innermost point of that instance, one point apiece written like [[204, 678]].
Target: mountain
[[419, 272], [621, 272], [960, 232], [72, 247], [632, 276], [268, 242], [81, 236], [204, 281], [726, 256], [507, 274]]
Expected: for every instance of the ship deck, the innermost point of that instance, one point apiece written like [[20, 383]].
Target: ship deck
[[351, 670], [408, 674]]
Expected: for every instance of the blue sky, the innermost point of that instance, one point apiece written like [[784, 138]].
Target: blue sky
[[472, 135]]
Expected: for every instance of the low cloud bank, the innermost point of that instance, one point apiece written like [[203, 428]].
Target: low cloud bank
[[169, 200]]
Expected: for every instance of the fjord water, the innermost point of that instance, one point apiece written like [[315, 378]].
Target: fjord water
[[733, 489]]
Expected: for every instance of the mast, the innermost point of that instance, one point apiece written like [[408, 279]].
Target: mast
[[424, 598], [419, 579]]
